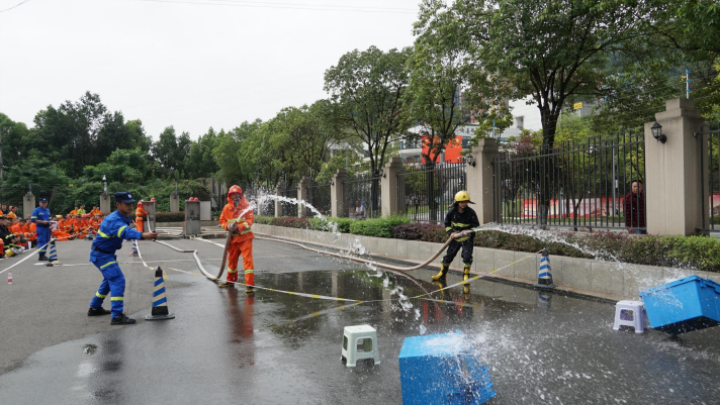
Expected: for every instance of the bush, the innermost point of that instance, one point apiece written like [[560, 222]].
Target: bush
[[265, 220], [380, 227], [343, 224], [291, 222], [170, 216]]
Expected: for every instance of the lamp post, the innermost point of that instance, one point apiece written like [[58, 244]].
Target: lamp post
[[104, 184]]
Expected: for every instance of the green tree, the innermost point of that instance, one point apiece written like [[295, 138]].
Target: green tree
[[367, 89], [170, 151], [48, 181], [552, 50], [123, 166], [200, 161], [14, 135], [227, 152]]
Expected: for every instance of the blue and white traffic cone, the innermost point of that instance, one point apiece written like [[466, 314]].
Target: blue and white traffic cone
[[52, 258], [134, 248], [160, 308], [545, 279]]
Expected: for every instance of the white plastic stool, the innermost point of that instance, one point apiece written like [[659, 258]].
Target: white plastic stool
[[360, 342], [630, 313]]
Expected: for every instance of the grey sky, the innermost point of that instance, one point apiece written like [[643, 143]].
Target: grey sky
[[193, 66]]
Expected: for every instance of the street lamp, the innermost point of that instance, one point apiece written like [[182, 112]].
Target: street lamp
[[657, 132], [470, 160], [105, 184]]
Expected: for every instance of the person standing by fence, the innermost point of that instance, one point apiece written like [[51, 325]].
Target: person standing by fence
[[635, 209]]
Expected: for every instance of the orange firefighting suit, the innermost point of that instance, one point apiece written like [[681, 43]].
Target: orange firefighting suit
[[240, 244], [139, 213]]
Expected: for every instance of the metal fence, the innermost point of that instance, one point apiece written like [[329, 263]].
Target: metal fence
[[289, 209], [364, 189], [710, 190], [586, 185], [430, 189], [318, 195]]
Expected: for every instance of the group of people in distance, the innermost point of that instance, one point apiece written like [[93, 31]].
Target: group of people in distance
[[18, 234]]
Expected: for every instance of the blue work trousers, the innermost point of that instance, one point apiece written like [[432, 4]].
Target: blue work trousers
[[43, 237], [113, 282]]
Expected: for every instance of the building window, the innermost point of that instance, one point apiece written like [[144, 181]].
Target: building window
[[520, 122]]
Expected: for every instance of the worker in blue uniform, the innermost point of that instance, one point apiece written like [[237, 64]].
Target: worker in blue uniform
[[113, 230], [42, 219]]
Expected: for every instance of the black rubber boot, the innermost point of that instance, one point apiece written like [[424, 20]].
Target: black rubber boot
[[122, 319], [42, 258], [249, 289], [98, 311]]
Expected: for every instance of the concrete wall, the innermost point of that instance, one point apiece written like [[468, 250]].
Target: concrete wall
[[609, 280]]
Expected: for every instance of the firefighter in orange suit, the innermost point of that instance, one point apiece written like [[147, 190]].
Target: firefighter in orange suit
[[139, 214], [237, 218]]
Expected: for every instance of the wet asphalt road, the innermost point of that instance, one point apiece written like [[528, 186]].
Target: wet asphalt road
[[225, 347]]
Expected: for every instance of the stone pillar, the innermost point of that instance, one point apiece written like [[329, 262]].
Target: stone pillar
[[105, 203], [174, 202], [337, 194], [278, 204], [28, 204], [480, 179], [390, 203], [673, 183], [302, 195]]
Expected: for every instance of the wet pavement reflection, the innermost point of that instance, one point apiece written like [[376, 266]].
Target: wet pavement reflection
[[269, 348]]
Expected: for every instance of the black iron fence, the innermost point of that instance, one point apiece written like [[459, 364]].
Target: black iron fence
[[318, 195], [710, 190], [430, 189], [588, 185], [289, 209], [363, 190]]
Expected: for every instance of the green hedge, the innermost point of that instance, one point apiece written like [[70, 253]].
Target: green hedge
[[381, 227], [170, 216]]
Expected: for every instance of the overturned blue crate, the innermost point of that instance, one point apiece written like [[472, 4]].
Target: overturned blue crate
[[684, 305], [438, 369]]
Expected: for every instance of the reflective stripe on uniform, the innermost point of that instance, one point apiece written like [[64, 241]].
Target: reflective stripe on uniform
[[97, 294], [116, 298], [120, 230], [232, 271], [251, 271], [448, 228], [34, 217], [107, 264], [244, 232], [103, 234], [459, 225]]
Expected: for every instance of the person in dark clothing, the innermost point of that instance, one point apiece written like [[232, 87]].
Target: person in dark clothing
[[460, 222], [635, 209]]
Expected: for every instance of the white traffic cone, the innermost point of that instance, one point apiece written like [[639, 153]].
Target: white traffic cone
[[10, 277]]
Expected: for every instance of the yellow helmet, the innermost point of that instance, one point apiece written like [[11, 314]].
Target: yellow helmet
[[462, 195], [9, 252]]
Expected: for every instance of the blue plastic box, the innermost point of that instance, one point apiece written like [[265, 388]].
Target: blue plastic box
[[437, 369], [684, 305]]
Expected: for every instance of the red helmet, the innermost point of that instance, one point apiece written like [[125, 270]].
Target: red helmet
[[152, 199], [235, 190], [140, 204]]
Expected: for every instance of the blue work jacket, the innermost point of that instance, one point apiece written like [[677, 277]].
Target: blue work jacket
[[42, 214], [113, 229]]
